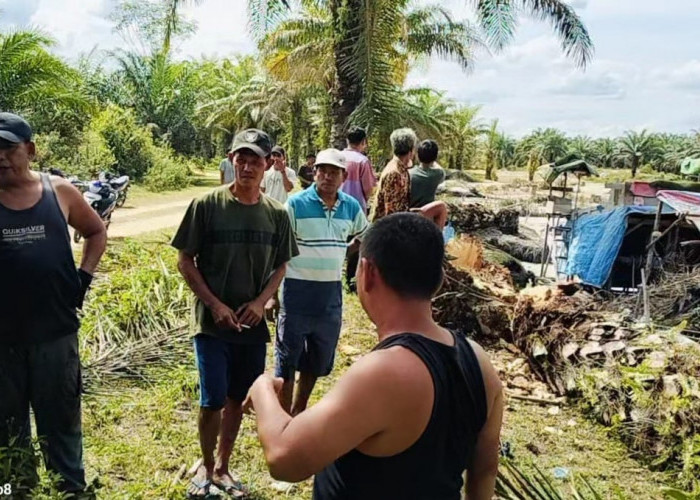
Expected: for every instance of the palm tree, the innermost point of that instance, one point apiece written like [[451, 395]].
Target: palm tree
[[582, 148], [173, 21], [491, 152], [540, 147], [506, 149], [33, 80], [163, 94], [606, 151], [363, 78], [461, 136], [373, 41], [149, 26], [637, 148]]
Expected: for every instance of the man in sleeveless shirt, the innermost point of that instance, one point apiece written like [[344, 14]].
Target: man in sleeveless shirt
[[40, 290], [407, 419]]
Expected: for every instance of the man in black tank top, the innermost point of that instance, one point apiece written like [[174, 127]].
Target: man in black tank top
[[40, 290], [410, 417]]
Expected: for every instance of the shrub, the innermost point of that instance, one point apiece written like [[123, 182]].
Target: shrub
[[53, 150], [93, 156], [169, 173], [130, 143]]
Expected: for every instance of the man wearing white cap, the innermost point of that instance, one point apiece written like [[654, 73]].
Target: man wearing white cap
[[323, 219]]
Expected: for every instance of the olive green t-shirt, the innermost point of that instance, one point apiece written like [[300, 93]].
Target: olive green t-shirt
[[236, 248], [424, 183]]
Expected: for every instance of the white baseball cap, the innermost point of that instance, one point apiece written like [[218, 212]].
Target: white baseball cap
[[331, 157]]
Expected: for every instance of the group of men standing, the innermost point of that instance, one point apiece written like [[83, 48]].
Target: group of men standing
[[404, 422]]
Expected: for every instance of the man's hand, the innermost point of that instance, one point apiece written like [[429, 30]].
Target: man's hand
[[264, 382], [251, 312], [272, 306], [224, 317]]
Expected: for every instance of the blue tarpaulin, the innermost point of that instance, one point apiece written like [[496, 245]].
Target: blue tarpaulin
[[595, 242]]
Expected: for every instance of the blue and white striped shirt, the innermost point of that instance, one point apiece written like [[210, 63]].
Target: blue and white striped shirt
[[322, 234]]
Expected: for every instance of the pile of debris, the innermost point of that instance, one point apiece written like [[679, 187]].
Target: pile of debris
[[641, 382], [470, 217], [477, 296], [645, 384]]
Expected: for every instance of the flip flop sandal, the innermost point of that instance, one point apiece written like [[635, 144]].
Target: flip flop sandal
[[204, 485], [236, 490]]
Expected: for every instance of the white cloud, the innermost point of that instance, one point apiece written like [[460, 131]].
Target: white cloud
[[17, 13], [646, 69], [578, 4], [603, 86], [685, 77]]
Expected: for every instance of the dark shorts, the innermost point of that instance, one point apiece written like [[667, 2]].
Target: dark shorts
[[306, 343], [226, 369]]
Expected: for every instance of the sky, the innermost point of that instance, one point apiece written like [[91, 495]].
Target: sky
[[645, 72]]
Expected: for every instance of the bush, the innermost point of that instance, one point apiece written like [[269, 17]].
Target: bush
[[169, 173], [93, 156], [130, 143], [53, 150]]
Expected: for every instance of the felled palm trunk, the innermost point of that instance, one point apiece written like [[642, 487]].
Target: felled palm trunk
[[469, 218]]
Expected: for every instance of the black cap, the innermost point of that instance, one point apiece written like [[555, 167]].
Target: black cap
[[279, 150], [14, 128], [255, 140]]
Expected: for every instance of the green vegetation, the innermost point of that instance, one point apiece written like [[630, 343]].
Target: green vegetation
[[140, 418], [322, 66]]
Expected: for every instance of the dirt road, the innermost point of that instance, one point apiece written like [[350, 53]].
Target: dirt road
[[144, 214]]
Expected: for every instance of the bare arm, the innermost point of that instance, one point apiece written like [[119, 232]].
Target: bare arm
[[481, 479], [221, 176], [252, 312], [435, 211], [85, 220], [195, 280], [288, 185], [372, 395], [224, 316]]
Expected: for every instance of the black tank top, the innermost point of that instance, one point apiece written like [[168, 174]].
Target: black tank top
[[430, 469], [39, 284]]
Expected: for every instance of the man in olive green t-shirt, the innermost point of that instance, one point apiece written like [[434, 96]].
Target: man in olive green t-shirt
[[234, 244]]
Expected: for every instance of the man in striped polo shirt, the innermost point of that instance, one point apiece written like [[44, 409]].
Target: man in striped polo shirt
[[323, 220]]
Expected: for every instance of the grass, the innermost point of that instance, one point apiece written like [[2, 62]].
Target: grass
[[203, 182], [140, 437]]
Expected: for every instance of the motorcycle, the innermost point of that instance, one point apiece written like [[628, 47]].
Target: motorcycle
[[103, 200], [119, 184]]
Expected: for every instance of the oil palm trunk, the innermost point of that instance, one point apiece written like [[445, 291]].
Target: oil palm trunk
[[346, 93]]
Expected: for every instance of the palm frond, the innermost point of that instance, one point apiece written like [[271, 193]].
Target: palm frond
[[499, 21], [432, 30], [264, 15], [573, 34]]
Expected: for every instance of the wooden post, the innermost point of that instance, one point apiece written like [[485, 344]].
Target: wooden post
[[654, 236], [645, 295]]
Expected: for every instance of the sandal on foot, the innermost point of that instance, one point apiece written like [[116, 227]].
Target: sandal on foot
[[204, 485], [236, 489]]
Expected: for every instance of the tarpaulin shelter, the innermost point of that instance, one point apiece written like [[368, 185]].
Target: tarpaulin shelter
[[551, 172], [609, 249]]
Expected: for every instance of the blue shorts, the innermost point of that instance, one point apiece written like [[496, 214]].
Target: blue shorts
[[226, 369], [306, 343]]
